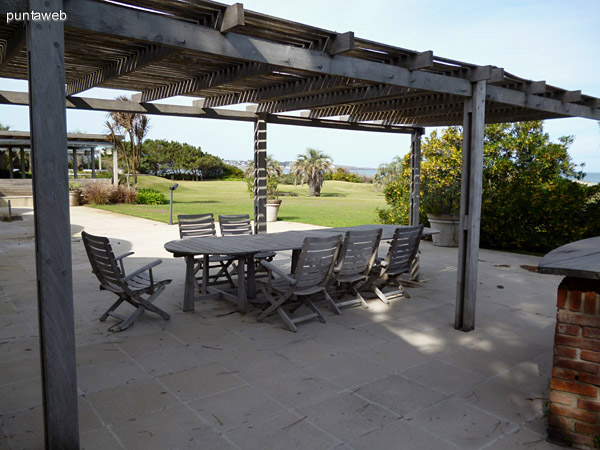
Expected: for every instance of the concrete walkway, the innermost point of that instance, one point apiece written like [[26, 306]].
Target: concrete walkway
[[387, 377]]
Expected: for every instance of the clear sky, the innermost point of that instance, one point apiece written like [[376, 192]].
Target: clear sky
[[550, 40]]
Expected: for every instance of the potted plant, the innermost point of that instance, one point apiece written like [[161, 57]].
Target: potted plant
[[273, 200], [441, 203], [74, 194]]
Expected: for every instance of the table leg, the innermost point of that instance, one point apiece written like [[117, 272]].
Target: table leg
[[190, 284], [205, 274], [295, 257], [241, 282], [250, 278]]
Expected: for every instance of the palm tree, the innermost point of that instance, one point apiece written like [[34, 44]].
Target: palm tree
[[312, 165]]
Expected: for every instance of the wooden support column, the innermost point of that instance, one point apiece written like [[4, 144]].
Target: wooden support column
[[260, 173], [470, 208], [115, 167], [75, 163], [93, 160], [46, 67], [415, 177], [415, 191], [22, 161], [10, 163]]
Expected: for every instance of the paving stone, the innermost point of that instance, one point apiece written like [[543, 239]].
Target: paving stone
[[285, 431], [171, 428], [347, 370], [524, 440], [443, 377], [297, 388], [464, 426], [347, 416], [130, 401], [206, 379], [399, 394], [236, 408], [108, 375]]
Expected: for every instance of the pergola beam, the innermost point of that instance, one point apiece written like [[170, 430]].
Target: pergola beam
[[332, 98], [233, 18], [14, 44], [197, 84], [311, 85], [145, 57], [110, 19], [94, 104], [342, 43]]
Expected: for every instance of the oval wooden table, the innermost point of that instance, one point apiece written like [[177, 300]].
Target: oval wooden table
[[243, 247]]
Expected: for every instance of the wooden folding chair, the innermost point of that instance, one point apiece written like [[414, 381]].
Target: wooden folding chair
[[139, 288], [404, 248], [315, 265], [354, 264], [239, 224], [203, 225]]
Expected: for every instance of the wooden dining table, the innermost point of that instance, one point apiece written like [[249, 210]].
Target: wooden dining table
[[242, 248]]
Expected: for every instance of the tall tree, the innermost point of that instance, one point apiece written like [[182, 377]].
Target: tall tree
[[312, 165], [128, 128]]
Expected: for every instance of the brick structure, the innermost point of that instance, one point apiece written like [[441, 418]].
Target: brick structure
[[574, 390]]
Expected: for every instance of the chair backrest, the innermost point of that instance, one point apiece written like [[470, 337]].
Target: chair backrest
[[235, 224], [103, 261], [358, 252], [316, 261], [403, 249], [196, 225]]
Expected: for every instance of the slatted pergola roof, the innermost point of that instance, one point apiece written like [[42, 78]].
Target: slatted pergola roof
[[227, 55]]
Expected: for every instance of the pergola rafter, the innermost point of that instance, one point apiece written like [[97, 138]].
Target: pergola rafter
[[229, 55]]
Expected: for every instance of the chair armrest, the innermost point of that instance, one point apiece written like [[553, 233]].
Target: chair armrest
[[147, 267], [273, 268], [124, 255]]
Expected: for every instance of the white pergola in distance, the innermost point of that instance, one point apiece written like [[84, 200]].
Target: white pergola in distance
[[227, 55]]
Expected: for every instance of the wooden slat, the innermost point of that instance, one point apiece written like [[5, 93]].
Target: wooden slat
[[14, 44]]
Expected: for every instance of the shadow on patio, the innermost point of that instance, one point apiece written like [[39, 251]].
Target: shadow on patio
[[387, 377]]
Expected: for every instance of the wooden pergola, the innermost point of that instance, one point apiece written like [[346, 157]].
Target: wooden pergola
[[226, 55], [77, 143]]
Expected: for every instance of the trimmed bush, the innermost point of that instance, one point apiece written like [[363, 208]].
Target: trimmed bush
[[96, 193], [123, 194], [150, 196]]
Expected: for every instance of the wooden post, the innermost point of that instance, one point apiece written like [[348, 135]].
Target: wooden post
[[93, 160], [46, 66], [22, 161], [260, 173], [10, 163], [115, 167], [75, 163], [470, 208], [415, 177], [415, 191]]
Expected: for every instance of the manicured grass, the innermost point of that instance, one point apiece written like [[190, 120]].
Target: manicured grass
[[340, 204]]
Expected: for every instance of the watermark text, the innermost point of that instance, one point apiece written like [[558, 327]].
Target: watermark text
[[36, 16]]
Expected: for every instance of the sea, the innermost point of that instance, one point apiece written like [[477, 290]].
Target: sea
[[590, 177]]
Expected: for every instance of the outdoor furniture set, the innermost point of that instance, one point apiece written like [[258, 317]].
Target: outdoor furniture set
[[334, 264]]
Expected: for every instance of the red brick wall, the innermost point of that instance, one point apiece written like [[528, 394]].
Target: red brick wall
[[574, 390]]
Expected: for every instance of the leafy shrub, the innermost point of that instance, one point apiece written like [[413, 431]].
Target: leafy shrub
[[150, 196], [530, 201], [123, 194], [96, 193], [341, 174]]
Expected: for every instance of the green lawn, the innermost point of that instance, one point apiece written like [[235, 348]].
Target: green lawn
[[340, 204]]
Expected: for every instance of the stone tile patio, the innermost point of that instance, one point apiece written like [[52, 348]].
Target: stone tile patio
[[389, 377]]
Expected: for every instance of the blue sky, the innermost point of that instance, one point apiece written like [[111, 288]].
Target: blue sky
[[550, 40]]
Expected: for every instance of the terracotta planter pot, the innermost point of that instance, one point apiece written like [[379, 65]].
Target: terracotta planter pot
[[74, 198], [448, 226]]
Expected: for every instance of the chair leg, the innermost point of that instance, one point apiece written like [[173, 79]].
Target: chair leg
[[360, 297], [333, 305], [381, 295], [129, 321], [275, 304], [312, 306], [114, 306], [150, 307]]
